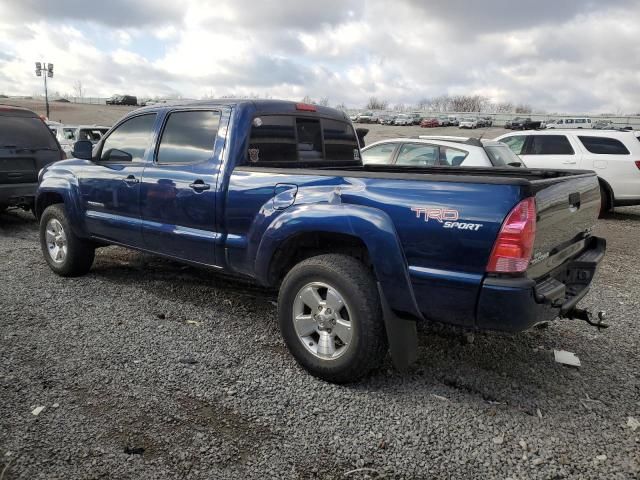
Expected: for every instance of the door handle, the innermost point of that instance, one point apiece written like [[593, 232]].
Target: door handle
[[131, 180], [569, 162], [200, 186]]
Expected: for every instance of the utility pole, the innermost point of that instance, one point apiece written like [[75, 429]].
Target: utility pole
[[48, 73]]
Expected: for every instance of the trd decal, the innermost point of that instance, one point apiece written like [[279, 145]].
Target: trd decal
[[437, 214], [447, 217]]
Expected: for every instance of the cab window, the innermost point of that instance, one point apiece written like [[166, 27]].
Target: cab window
[[129, 140], [188, 137]]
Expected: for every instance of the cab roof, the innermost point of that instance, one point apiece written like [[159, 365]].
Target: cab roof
[[262, 106]]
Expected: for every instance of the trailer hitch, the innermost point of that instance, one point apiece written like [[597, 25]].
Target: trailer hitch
[[587, 316]]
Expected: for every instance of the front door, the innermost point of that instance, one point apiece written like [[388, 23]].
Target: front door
[[179, 188], [110, 184]]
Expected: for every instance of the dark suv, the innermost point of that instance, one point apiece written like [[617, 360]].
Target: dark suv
[[26, 146], [123, 100]]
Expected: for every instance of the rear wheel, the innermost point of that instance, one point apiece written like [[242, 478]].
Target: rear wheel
[[67, 254], [605, 201], [331, 319]]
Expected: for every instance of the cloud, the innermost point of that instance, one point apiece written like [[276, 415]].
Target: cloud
[[558, 56], [117, 13]]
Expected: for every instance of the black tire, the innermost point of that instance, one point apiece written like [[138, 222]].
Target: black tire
[[605, 202], [80, 253], [356, 284]]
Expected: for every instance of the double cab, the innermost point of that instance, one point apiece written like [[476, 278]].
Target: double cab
[[276, 192]]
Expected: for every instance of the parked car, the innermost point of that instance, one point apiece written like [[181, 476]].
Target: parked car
[[603, 125], [454, 121], [122, 100], [440, 151], [575, 122], [416, 118], [613, 155], [276, 192], [486, 121], [68, 135], [468, 122], [26, 145], [386, 119], [524, 123], [444, 121], [403, 119], [430, 123], [367, 117]]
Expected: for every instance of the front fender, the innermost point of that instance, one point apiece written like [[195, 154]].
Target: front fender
[[371, 225], [66, 188]]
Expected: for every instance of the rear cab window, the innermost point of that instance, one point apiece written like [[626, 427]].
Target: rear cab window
[[290, 141], [603, 145]]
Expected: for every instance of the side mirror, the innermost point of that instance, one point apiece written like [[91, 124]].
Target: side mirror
[[514, 164], [82, 149]]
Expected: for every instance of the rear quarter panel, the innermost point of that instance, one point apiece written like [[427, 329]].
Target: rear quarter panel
[[444, 266]]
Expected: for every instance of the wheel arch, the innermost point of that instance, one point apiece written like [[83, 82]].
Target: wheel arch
[[364, 232], [610, 195]]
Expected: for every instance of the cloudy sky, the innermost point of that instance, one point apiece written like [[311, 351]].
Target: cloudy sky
[[558, 55]]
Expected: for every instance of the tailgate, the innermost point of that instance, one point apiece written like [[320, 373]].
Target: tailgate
[[17, 169], [567, 208]]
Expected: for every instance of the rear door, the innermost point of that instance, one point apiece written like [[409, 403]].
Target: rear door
[[179, 187], [557, 151]]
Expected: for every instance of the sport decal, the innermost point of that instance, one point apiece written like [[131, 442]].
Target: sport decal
[[447, 217]]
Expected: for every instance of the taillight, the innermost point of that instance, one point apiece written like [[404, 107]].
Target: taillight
[[513, 248], [638, 164]]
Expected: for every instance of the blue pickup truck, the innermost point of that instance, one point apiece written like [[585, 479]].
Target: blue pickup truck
[[276, 192]]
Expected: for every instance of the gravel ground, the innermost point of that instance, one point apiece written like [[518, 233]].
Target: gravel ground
[[149, 369]]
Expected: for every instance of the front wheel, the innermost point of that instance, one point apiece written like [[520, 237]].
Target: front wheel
[[331, 319], [65, 253]]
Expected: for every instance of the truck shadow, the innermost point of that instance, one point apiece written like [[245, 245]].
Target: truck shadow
[[515, 372]]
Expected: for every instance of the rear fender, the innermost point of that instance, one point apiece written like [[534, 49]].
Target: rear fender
[[372, 226]]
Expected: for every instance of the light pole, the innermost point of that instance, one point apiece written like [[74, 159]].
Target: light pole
[[49, 73]]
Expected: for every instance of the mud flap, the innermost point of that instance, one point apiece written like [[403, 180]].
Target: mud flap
[[402, 336]]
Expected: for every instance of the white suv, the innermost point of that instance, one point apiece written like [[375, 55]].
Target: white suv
[[439, 151], [614, 155]]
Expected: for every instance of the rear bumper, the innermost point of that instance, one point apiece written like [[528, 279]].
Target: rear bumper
[[517, 304], [17, 194]]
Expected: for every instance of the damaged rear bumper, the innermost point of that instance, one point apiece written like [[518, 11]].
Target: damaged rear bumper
[[517, 304]]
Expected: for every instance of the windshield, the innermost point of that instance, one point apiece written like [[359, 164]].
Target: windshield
[[502, 156], [469, 120]]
